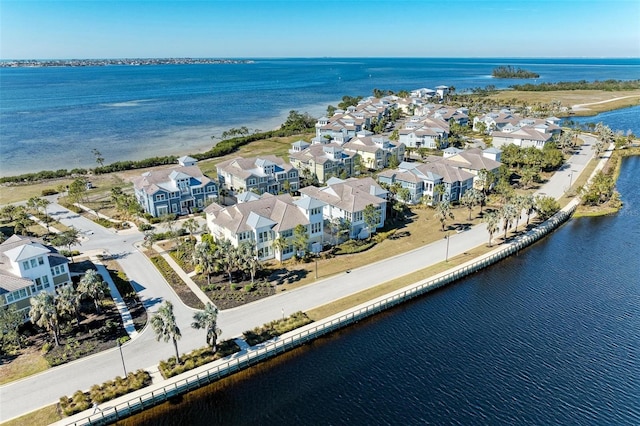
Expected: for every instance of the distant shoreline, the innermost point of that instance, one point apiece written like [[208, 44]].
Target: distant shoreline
[[44, 63]]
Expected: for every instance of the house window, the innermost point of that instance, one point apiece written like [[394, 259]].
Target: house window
[[160, 197], [199, 202], [288, 249], [292, 174], [251, 181], [34, 263], [316, 228], [286, 234], [40, 260], [174, 208], [25, 265]]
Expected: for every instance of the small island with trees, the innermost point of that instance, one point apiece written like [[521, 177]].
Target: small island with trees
[[508, 71]]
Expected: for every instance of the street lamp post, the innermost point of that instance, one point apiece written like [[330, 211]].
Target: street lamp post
[[446, 257], [122, 358]]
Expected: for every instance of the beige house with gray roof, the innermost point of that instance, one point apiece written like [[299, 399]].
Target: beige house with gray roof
[[323, 160]]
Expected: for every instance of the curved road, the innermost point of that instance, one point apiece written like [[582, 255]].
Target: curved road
[[143, 351]]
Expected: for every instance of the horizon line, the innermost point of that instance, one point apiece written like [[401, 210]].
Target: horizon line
[[313, 57]]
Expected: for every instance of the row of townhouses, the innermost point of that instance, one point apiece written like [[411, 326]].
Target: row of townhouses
[[28, 267], [263, 219], [508, 128], [457, 171]]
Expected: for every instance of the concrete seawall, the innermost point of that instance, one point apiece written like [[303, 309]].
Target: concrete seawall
[[158, 393]]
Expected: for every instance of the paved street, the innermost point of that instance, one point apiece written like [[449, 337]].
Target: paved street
[[144, 352]]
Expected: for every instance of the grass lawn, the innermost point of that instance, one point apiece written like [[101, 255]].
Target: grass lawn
[[41, 417], [339, 305], [569, 98], [30, 361], [421, 228]]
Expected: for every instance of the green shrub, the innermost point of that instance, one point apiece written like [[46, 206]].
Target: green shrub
[[49, 191], [276, 328], [109, 390], [144, 227], [196, 358], [354, 246]]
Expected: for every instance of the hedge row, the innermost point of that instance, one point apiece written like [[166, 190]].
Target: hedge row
[[276, 328], [196, 358], [107, 391]]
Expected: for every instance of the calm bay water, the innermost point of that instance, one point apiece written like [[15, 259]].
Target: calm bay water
[[52, 118], [551, 336]]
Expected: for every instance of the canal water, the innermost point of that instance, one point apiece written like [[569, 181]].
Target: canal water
[[551, 336]]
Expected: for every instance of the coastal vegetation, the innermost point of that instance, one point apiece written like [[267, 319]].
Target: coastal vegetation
[[107, 391], [196, 358], [276, 328], [606, 85], [509, 71]]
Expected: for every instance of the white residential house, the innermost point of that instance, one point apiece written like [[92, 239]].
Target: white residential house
[[264, 220], [28, 267], [267, 173], [419, 181], [347, 199], [523, 137]]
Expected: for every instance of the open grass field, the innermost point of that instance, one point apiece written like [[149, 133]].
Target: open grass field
[[592, 101]]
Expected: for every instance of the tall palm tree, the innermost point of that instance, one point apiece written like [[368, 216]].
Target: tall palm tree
[[44, 313], [208, 320], [163, 323], [528, 205], [227, 255], [92, 285], [204, 258], [469, 200], [492, 220], [68, 301], [443, 212], [190, 225], [280, 244], [507, 214]]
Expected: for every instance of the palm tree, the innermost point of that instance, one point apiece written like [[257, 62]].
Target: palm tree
[[44, 313], [492, 220], [164, 325], [68, 301], [507, 214], [528, 204], [208, 320], [190, 225], [204, 257], [469, 200], [248, 259], [92, 285], [227, 255], [443, 211], [279, 245]]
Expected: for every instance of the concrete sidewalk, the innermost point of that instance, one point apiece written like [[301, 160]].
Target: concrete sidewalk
[[195, 288]]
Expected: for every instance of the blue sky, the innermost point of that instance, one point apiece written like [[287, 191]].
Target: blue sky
[[317, 28]]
